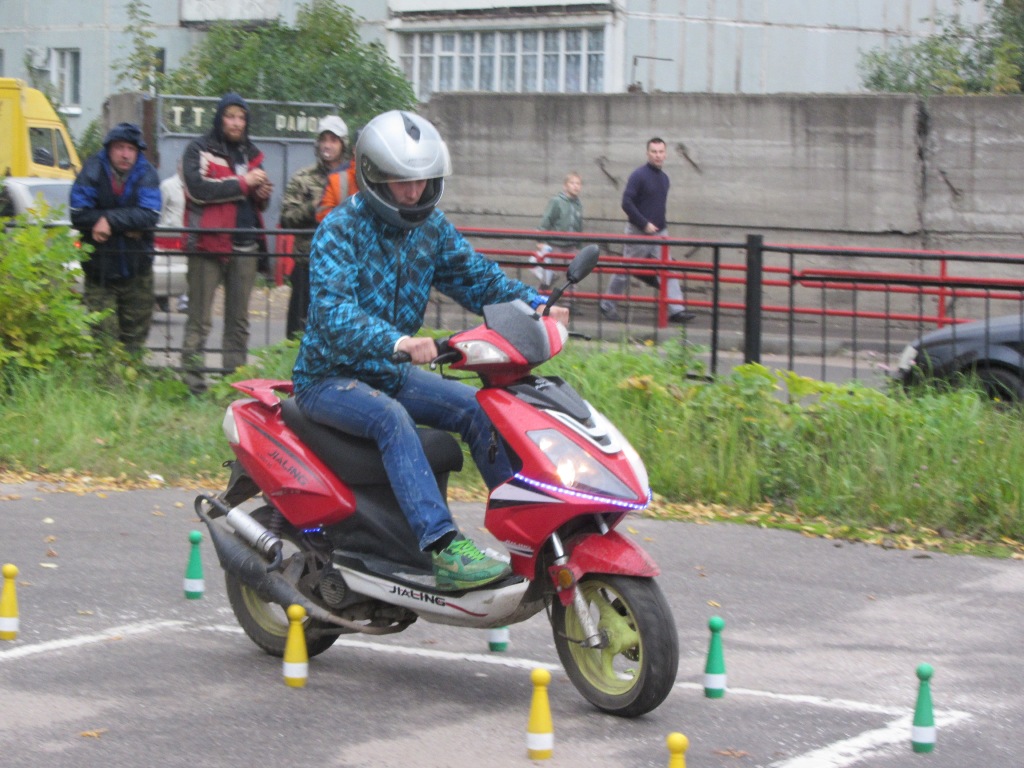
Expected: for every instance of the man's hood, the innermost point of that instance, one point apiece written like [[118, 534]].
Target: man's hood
[[228, 100]]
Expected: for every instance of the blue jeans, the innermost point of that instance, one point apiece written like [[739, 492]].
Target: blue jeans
[[358, 409]]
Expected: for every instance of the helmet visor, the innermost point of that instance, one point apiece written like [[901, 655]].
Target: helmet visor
[[398, 146], [429, 161]]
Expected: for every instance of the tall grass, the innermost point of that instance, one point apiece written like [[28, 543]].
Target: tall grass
[[948, 460], [82, 420]]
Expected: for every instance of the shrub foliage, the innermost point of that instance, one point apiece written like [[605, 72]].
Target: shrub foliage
[[42, 319]]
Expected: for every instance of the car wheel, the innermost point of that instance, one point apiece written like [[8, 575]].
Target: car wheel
[[1001, 384]]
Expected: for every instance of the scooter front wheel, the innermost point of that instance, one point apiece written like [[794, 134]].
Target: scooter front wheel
[[266, 623], [636, 669]]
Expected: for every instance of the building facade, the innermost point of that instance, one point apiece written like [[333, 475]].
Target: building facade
[[524, 46]]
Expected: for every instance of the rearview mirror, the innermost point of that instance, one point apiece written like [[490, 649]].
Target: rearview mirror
[[582, 264]]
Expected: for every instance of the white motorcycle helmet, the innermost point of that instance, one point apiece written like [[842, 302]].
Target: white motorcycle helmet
[[401, 146]]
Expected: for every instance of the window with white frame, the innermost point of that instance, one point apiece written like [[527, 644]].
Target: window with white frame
[[506, 61], [65, 75]]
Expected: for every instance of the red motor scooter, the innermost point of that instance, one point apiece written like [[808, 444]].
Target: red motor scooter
[[332, 538]]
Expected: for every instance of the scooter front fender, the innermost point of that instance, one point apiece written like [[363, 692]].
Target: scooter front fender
[[609, 553]]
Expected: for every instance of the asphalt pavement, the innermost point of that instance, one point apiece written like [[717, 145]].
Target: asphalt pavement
[[113, 667]]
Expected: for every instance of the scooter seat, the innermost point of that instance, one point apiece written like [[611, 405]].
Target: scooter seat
[[356, 460]]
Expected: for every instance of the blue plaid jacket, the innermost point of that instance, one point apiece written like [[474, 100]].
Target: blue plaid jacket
[[370, 284]]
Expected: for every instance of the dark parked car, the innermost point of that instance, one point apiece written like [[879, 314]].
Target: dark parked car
[[990, 352]]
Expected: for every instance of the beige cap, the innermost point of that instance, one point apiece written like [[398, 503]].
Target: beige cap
[[334, 124]]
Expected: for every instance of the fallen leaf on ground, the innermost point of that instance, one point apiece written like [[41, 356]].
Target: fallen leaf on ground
[[93, 734]]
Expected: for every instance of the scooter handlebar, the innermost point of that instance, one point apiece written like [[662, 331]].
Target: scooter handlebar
[[445, 354]]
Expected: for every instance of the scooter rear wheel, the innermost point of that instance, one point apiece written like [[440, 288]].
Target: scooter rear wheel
[[266, 623], [637, 669]]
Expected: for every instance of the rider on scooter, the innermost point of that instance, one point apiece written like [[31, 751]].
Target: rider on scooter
[[373, 262]]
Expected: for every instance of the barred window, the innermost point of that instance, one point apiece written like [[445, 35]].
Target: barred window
[[509, 61], [65, 75]]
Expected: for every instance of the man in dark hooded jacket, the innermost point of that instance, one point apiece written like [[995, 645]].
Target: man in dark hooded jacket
[[115, 203], [226, 188]]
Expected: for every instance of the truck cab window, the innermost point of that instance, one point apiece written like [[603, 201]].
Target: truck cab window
[[41, 140], [63, 155]]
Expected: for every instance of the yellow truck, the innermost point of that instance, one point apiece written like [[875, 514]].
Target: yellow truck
[[33, 139]]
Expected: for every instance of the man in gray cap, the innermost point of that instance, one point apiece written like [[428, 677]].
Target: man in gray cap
[[298, 211], [115, 203]]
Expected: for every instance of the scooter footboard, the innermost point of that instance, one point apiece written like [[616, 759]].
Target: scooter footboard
[[609, 553]]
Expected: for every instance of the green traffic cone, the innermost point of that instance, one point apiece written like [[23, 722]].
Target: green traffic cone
[[922, 735], [194, 583], [498, 639], [714, 670]]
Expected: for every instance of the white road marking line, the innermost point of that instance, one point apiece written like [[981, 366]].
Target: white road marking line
[[840, 754], [114, 633], [512, 662], [814, 701], [866, 745]]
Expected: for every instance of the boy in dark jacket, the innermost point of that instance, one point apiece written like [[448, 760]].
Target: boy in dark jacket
[[115, 203]]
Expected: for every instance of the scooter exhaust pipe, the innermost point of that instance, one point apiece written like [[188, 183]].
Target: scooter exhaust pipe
[[240, 559], [243, 562]]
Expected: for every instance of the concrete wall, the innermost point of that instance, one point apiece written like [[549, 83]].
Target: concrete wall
[[862, 171]]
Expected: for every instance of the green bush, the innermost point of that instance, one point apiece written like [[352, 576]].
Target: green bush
[[42, 319]]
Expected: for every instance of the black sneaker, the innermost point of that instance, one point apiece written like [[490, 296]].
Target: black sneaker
[[681, 317], [611, 314], [461, 565]]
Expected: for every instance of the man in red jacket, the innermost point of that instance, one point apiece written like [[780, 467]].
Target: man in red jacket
[[226, 188]]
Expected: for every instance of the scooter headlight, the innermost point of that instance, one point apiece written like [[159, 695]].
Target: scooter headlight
[[576, 469], [481, 352]]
